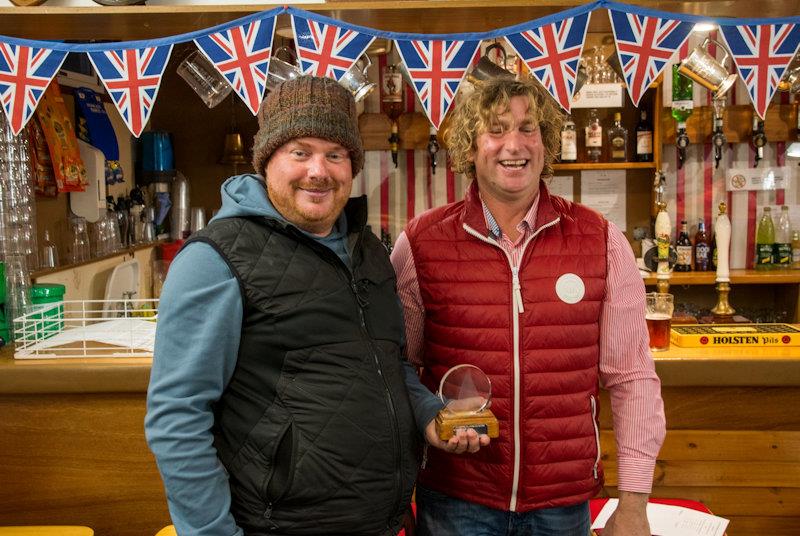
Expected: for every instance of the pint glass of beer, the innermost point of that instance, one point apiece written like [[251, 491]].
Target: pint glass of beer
[[659, 316]]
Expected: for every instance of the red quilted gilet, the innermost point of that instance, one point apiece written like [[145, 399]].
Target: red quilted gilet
[[546, 400]]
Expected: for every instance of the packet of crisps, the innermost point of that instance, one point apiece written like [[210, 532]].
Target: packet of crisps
[[59, 132]]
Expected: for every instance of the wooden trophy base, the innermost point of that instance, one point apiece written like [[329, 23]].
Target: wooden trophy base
[[449, 421]]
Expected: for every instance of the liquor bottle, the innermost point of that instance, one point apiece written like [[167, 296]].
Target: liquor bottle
[[594, 137], [682, 106], [702, 249], [765, 237], [796, 250], [618, 140], [682, 97], [683, 247], [782, 249], [644, 139], [569, 141]]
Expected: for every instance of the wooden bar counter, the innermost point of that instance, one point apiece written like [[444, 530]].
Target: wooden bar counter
[[72, 447]]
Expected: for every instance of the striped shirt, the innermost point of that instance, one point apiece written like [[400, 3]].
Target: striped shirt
[[627, 369]]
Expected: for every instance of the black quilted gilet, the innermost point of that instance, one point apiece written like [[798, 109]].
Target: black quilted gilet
[[315, 427]]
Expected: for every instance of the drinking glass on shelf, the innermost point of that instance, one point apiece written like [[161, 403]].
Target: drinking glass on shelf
[[79, 251], [18, 289], [49, 252]]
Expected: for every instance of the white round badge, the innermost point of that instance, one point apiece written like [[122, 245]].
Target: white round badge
[[570, 288]]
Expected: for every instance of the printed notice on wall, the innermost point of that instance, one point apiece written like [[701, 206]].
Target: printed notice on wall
[[669, 520], [561, 186], [604, 191], [766, 178]]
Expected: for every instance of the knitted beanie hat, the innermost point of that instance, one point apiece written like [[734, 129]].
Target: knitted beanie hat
[[312, 107]]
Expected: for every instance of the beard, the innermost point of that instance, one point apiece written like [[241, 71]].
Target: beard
[[311, 215]]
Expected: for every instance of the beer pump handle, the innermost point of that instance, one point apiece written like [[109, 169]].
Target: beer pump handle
[[723, 238]]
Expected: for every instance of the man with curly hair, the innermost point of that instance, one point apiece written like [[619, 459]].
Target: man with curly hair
[[544, 296]]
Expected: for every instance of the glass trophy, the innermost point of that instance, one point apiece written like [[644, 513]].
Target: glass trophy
[[466, 392]]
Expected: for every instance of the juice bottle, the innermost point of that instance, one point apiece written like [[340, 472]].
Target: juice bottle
[[765, 238]]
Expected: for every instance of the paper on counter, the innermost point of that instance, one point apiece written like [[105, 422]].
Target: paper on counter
[[669, 520], [604, 191]]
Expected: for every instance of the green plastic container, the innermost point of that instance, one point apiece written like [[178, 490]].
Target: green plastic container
[[43, 294]]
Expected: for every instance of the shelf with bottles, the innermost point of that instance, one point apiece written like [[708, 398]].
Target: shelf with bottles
[[630, 118], [737, 277]]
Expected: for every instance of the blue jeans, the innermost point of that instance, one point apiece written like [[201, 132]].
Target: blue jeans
[[440, 515]]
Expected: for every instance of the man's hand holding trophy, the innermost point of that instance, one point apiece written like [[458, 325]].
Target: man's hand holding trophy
[[465, 423]]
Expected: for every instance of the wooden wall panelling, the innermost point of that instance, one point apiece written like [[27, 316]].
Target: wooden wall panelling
[[736, 449], [79, 459]]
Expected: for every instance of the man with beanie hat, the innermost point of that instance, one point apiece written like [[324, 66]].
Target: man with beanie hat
[[278, 402]]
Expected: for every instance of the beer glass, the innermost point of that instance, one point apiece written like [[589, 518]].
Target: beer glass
[[659, 316]]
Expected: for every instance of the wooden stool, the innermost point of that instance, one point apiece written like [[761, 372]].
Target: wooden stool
[[46, 531], [166, 531]]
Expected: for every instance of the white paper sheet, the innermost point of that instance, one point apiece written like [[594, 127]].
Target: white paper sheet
[[669, 520], [604, 191], [561, 186]]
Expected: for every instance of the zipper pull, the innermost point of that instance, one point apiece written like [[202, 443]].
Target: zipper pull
[[362, 301], [268, 511], [517, 290], [424, 456]]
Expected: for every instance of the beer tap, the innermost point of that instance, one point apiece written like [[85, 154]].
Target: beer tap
[[759, 139], [433, 148], [682, 142], [718, 140], [394, 140], [392, 103]]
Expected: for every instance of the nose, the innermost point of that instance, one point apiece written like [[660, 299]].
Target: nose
[[317, 166], [513, 140]]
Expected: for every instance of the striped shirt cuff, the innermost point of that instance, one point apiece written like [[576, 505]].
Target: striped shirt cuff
[[636, 474]]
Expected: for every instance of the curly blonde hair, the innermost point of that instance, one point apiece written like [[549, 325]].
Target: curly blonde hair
[[473, 115]]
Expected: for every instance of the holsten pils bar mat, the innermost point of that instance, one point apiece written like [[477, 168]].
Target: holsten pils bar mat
[[703, 335]]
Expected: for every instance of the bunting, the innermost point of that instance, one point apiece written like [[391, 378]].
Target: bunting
[[241, 54], [436, 64], [552, 52], [25, 73], [132, 77], [762, 53], [326, 49], [644, 47], [436, 69]]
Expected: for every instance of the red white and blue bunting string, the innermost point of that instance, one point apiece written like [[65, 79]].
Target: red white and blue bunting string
[[645, 39], [326, 49], [436, 69], [25, 73], [552, 52], [762, 53], [132, 77], [644, 46], [241, 54]]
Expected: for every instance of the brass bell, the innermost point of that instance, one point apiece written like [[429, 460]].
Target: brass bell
[[233, 152]]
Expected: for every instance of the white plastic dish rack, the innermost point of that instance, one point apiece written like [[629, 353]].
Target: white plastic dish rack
[[87, 328]]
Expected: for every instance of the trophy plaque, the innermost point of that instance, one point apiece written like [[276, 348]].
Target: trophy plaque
[[466, 392]]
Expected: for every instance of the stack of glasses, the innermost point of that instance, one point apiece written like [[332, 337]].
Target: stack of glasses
[[18, 248]]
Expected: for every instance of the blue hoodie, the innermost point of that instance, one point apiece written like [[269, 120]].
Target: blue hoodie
[[197, 343]]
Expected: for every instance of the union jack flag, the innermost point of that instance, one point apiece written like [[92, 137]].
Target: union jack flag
[[241, 55], [552, 52], [762, 54], [25, 73], [326, 49], [645, 45], [437, 68], [132, 77]]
